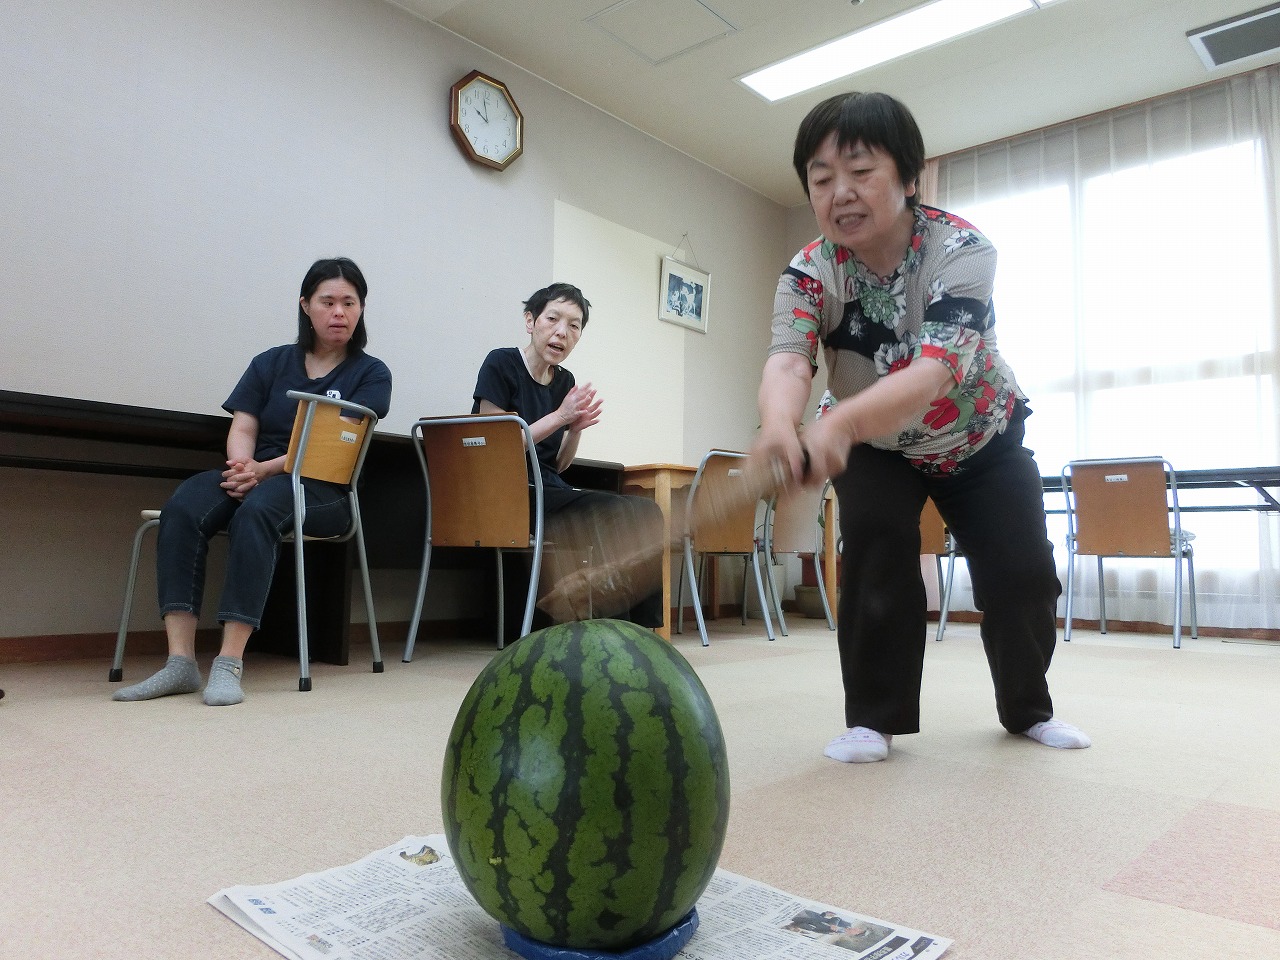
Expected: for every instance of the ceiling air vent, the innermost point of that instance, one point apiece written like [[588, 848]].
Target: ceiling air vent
[[1238, 38]]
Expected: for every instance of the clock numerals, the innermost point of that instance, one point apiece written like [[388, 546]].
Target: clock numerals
[[486, 121]]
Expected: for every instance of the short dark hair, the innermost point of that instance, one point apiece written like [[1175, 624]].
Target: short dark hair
[[334, 268], [558, 291], [872, 119]]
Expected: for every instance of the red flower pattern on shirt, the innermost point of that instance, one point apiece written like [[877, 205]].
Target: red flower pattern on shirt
[[825, 279], [942, 413]]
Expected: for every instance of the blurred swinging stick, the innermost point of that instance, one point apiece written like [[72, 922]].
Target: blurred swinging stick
[[626, 557]]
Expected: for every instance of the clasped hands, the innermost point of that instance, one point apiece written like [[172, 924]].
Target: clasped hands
[[811, 455], [581, 408], [241, 476]]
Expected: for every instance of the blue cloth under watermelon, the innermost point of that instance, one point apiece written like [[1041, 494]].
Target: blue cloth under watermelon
[[662, 947]]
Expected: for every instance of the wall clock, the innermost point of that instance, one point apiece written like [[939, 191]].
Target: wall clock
[[485, 120]]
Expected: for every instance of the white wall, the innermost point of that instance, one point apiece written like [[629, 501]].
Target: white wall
[[171, 169], [635, 363]]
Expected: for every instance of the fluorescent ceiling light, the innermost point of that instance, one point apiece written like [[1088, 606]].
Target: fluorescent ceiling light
[[922, 27]]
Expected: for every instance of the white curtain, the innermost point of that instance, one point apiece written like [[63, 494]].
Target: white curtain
[[1135, 299]]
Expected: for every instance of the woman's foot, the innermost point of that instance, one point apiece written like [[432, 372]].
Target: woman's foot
[[1056, 733], [178, 675], [223, 688], [859, 745]]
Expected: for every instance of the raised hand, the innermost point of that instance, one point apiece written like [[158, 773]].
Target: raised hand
[[581, 408]]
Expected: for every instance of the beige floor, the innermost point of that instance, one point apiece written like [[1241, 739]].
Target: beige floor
[[118, 821]]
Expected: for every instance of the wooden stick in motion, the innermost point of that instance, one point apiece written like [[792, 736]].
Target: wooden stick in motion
[[623, 560]]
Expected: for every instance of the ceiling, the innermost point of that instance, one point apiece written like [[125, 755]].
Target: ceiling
[[670, 67]]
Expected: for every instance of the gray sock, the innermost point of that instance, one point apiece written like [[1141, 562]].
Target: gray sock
[[179, 675], [223, 688]]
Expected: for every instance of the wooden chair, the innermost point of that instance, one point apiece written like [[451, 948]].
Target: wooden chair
[[330, 440], [478, 470], [733, 534], [936, 541], [793, 524], [1123, 508]]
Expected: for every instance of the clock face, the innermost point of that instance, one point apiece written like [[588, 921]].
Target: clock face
[[486, 121]]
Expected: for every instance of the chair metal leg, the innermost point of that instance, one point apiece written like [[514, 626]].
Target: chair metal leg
[[942, 599], [117, 664], [368, 590], [777, 600], [693, 589], [764, 604], [742, 603], [300, 586], [1177, 599], [680, 595], [822, 591], [1191, 591], [502, 602], [1102, 600], [422, 592], [531, 598], [1071, 583]]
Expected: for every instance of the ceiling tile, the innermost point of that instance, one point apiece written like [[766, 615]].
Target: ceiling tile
[[659, 30]]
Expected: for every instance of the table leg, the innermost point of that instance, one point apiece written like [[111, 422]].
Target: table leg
[[662, 494]]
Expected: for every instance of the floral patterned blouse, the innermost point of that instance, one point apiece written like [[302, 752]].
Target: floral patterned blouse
[[936, 305]]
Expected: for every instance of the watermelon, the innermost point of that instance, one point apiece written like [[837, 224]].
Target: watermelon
[[586, 789]]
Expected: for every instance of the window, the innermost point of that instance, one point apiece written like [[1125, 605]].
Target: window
[[1136, 301]]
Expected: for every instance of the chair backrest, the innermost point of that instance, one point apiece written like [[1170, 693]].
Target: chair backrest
[[719, 477], [933, 532], [795, 521], [478, 474], [337, 438], [1120, 508]]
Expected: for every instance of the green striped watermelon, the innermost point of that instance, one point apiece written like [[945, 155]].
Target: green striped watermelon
[[585, 787]]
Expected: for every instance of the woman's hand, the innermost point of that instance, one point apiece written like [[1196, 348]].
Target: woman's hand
[[581, 408], [779, 442], [827, 441], [241, 476], [784, 391]]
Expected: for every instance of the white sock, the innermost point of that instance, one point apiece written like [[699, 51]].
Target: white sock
[[1056, 733], [859, 745]]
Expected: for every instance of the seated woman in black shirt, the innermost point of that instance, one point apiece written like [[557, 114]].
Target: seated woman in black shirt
[[531, 382]]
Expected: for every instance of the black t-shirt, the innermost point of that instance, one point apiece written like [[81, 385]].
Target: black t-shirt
[[272, 374], [505, 382]]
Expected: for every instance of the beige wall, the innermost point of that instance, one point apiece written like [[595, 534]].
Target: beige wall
[[172, 169]]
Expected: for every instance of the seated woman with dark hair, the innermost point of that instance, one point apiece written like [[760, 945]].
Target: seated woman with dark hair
[[252, 497], [531, 382]]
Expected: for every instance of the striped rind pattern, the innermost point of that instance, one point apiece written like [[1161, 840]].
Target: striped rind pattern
[[585, 787]]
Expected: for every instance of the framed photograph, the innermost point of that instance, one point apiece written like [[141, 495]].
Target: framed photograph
[[684, 295]]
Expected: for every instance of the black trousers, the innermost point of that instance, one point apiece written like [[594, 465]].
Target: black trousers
[[995, 509]]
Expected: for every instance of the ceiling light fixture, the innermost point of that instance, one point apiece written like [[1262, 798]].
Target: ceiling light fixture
[[924, 26]]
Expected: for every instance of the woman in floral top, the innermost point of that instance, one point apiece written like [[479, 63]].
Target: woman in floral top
[[898, 295]]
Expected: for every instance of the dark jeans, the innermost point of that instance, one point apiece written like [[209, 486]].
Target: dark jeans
[[995, 509], [200, 508]]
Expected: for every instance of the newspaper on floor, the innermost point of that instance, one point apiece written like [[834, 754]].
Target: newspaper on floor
[[408, 901]]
